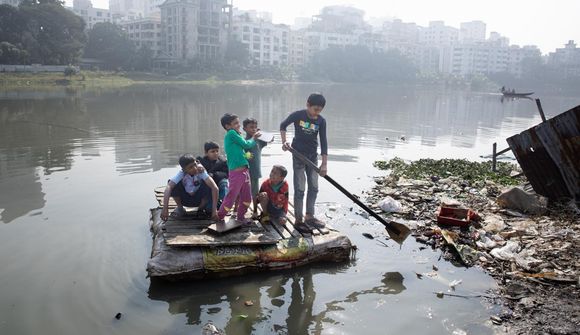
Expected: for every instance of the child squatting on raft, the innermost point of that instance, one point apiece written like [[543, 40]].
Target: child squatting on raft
[[273, 196], [191, 187]]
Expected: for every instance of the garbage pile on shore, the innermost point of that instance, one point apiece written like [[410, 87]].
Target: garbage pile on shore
[[477, 217]]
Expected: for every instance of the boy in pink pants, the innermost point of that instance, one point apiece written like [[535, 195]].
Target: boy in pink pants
[[239, 176]]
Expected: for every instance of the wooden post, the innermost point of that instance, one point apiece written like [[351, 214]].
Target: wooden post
[[493, 159], [539, 104]]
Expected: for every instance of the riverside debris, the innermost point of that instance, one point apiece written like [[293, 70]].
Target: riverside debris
[[539, 252]]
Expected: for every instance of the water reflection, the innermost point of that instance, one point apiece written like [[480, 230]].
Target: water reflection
[[224, 301], [148, 127], [151, 125]]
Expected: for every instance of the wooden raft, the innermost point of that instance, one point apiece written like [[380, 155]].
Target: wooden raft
[[190, 231]]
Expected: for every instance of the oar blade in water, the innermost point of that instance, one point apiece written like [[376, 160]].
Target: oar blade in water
[[398, 232]]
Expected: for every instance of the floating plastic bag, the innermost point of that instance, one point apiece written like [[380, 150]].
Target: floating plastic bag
[[390, 205]]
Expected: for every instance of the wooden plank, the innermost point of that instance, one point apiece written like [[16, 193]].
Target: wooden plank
[[183, 230], [314, 231], [324, 231], [238, 237], [291, 229], [268, 227], [281, 229], [187, 222], [222, 227], [195, 241]]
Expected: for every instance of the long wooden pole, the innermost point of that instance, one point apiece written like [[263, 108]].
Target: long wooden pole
[[397, 231]]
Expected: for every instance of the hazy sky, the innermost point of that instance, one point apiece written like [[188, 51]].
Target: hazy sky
[[548, 24]]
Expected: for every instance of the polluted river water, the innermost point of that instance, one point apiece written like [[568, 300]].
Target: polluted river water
[[77, 173]]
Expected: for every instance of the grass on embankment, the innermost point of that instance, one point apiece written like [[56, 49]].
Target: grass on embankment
[[56, 79], [102, 79]]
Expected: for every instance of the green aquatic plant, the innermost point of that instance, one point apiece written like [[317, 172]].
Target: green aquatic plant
[[463, 169]]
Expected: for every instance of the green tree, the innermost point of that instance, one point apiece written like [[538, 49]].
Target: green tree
[[359, 64], [237, 52], [11, 54], [44, 30], [12, 24], [143, 58], [110, 44]]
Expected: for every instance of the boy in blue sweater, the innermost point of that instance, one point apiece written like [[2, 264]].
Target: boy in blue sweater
[[308, 126]]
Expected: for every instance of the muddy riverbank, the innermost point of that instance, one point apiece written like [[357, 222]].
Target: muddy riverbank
[[531, 252]]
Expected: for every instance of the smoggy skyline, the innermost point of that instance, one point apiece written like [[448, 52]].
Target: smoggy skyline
[[523, 22]]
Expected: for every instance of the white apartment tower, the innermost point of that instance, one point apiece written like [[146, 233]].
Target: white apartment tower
[[473, 31], [193, 29], [267, 43], [91, 16]]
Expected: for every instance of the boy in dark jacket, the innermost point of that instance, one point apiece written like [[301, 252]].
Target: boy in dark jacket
[[217, 168]]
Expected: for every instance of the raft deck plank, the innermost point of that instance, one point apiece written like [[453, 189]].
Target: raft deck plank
[[268, 227], [223, 227], [282, 230], [204, 238]]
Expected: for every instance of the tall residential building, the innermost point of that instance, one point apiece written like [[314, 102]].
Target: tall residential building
[[473, 31], [401, 36], [267, 43], [212, 34], [151, 8], [145, 33], [297, 52], [193, 29], [517, 55], [438, 34], [179, 21], [475, 58], [566, 59], [498, 40], [91, 16], [340, 19], [316, 41], [126, 10]]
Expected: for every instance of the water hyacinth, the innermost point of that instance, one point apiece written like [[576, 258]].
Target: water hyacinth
[[442, 168]]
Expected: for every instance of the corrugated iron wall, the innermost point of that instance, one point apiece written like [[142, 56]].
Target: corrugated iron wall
[[549, 154]]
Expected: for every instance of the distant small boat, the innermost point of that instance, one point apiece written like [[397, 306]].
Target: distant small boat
[[513, 94]]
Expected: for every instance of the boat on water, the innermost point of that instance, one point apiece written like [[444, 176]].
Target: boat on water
[[188, 248], [513, 94]]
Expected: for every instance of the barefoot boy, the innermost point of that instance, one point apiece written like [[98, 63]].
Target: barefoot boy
[[273, 196], [250, 126]]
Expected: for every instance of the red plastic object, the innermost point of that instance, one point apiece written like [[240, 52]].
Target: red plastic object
[[452, 216]]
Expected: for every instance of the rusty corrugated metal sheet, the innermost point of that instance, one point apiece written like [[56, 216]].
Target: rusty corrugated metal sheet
[[549, 154]]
